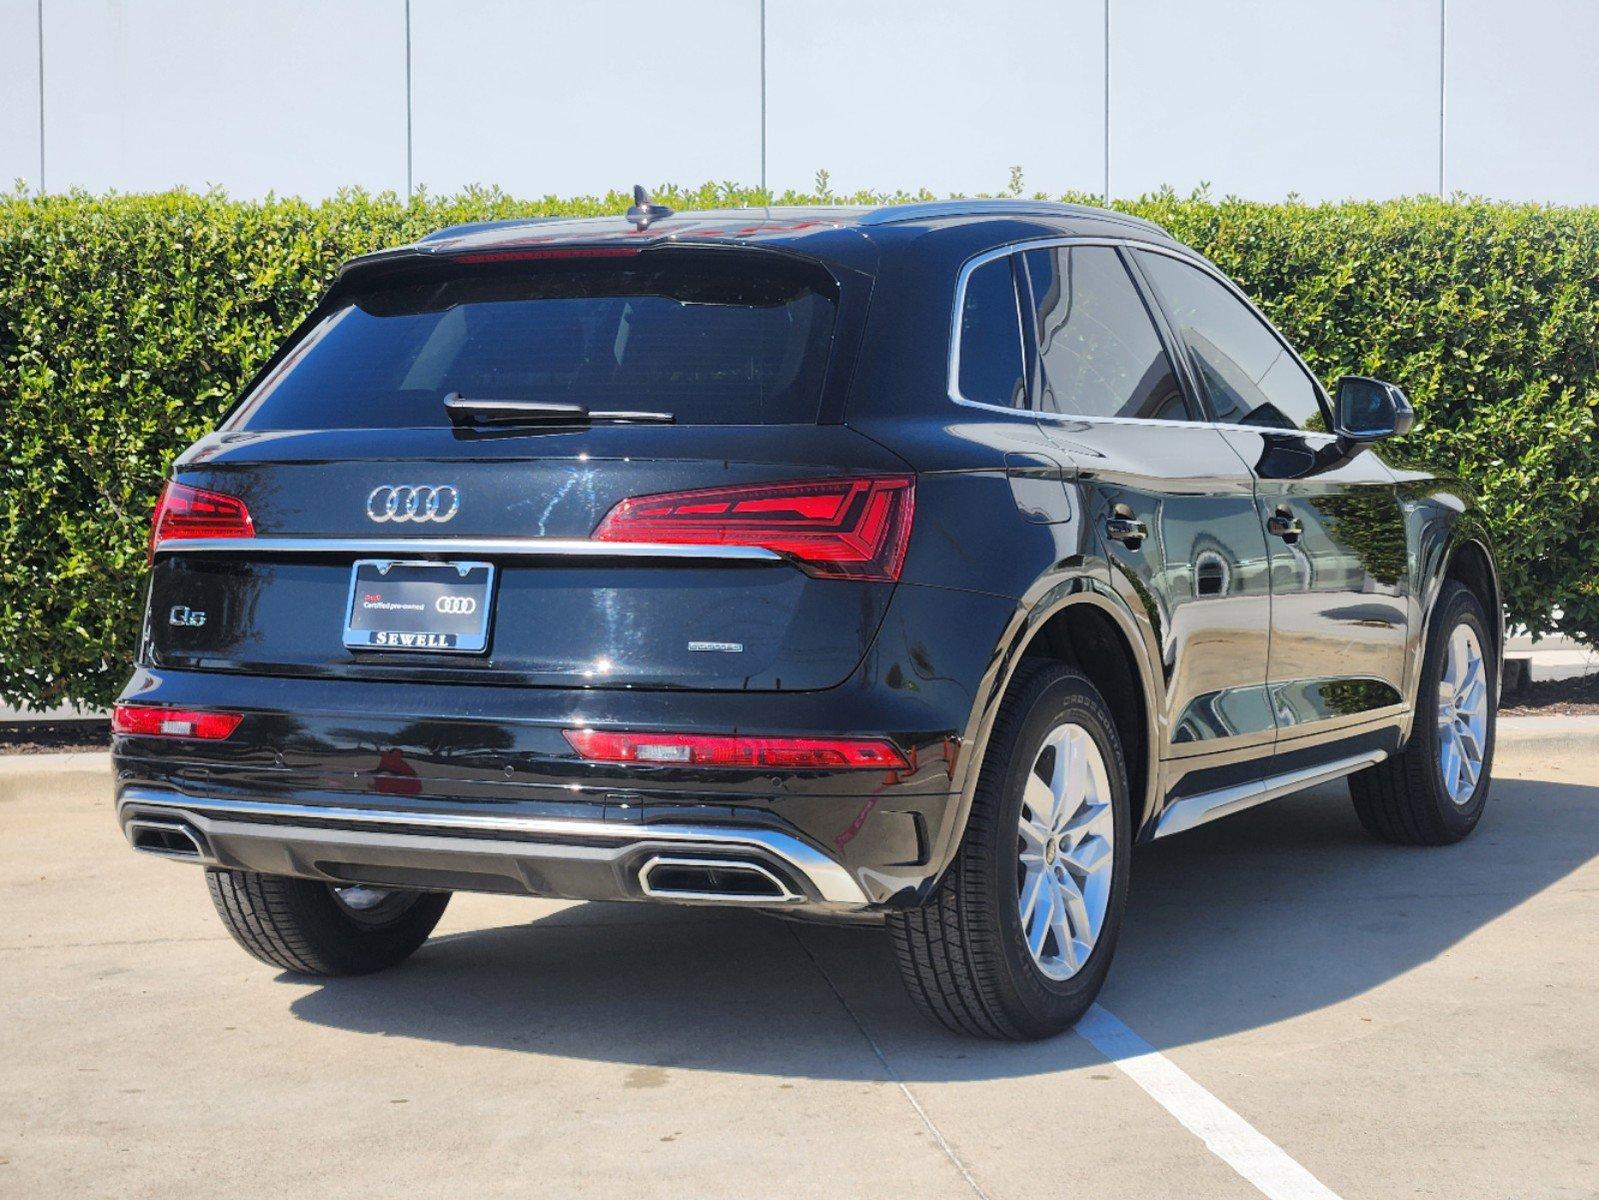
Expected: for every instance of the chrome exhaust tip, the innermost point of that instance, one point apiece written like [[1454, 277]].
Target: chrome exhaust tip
[[713, 881], [170, 839]]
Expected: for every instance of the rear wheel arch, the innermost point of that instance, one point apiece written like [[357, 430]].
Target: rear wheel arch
[[1019, 933], [1089, 638], [1082, 624]]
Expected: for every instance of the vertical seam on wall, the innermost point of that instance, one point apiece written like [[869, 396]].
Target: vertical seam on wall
[[409, 187], [39, 13], [763, 95], [1442, 94], [1107, 101]]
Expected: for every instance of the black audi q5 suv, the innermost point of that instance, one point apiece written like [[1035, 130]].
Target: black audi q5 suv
[[904, 564]]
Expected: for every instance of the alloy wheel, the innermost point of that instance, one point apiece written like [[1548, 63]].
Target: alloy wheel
[[1462, 715], [1065, 851], [371, 905]]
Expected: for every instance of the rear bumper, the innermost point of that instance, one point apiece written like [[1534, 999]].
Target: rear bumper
[[458, 767], [489, 851]]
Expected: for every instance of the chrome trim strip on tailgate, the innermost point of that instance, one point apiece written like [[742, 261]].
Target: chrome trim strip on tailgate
[[509, 547], [833, 883]]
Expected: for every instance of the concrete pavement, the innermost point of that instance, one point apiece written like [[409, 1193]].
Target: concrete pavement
[[1401, 1022]]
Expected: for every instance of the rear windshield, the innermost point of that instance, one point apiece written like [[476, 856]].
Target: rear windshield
[[712, 338]]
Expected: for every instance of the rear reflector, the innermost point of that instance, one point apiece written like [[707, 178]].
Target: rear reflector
[[847, 527], [190, 512], [700, 750], [149, 720], [493, 256]]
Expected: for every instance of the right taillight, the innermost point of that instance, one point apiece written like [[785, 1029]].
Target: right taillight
[[714, 750], [190, 512], [850, 527]]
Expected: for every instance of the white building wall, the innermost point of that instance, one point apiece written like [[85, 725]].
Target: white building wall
[[564, 98], [1524, 98], [1324, 99], [1263, 98], [19, 92], [293, 96], [942, 94]]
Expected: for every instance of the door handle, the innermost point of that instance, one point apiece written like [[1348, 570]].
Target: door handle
[[1284, 524], [1129, 532]]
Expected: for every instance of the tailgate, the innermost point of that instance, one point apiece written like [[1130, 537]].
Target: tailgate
[[562, 608]]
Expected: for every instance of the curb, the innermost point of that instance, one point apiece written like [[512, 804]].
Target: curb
[[1557, 733]]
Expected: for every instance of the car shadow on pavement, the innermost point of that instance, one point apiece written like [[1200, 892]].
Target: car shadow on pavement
[[1239, 924]]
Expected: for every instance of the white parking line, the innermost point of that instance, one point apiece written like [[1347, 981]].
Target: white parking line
[[1227, 1135], [937, 1134]]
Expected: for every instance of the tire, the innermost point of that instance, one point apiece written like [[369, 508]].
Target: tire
[[1406, 799], [964, 954], [303, 926]]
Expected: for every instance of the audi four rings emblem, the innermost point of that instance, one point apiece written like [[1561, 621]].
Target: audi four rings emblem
[[460, 605], [404, 502]]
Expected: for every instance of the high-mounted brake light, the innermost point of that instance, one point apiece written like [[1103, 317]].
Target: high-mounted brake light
[[191, 512], [153, 720], [492, 256], [706, 750], [850, 527]]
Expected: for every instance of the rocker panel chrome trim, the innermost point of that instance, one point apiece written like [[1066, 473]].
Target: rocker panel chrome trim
[[1207, 806]]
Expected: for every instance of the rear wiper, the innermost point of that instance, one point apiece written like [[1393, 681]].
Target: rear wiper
[[464, 411]]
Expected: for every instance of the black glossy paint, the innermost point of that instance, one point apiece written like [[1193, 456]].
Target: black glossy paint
[[1200, 576], [1246, 647], [557, 622]]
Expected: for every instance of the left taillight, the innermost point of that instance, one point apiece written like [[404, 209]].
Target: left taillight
[[849, 527], [190, 512], [154, 720]]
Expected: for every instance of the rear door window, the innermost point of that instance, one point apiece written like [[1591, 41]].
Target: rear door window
[[1099, 353], [992, 367], [713, 339], [1249, 375]]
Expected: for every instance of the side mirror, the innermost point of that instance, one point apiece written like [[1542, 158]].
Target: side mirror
[[1368, 410]]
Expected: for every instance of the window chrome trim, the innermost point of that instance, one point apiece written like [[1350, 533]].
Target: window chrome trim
[[955, 323], [1006, 251], [452, 547], [1189, 257], [952, 381]]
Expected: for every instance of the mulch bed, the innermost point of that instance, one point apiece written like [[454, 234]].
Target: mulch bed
[[53, 737], [1551, 698], [1554, 698]]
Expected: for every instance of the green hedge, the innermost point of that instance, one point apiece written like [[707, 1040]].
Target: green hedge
[[127, 323]]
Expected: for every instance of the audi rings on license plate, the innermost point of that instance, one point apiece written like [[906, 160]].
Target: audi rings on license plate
[[441, 608]]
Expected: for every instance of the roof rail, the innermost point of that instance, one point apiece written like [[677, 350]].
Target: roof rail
[[892, 214]]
